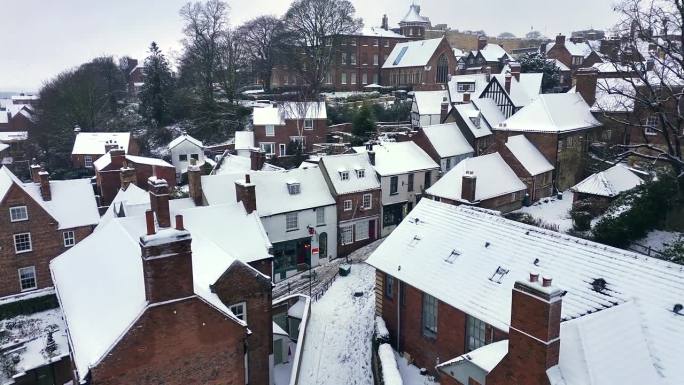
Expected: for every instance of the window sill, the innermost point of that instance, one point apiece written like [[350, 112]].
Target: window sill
[[18, 220], [321, 225], [393, 194], [27, 290], [291, 230], [23, 251]]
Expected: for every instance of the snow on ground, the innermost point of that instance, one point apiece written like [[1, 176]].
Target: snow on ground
[[337, 349], [411, 374], [659, 240], [281, 372], [553, 210]]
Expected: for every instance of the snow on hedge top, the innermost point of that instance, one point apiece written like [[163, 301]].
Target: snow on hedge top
[[528, 155], [448, 140], [390, 371], [554, 113], [88, 279], [494, 178], [183, 138], [399, 158], [73, 201], [430, 102], [272, 194], [609, 183], [93, 143], [606, 348], [244, 140], [453, 253], [277, 115], [412, 54], [359, 173]]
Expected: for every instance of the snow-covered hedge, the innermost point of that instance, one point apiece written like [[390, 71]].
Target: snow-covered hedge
[[381, 333], [390, 371]]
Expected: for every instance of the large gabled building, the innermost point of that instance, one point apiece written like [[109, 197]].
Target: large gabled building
[[420, 65]]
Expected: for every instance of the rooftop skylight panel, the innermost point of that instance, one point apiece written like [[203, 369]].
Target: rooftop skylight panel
[[400, 56]]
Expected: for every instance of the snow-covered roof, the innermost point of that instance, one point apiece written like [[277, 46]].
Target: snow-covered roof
[[615, 95], [25, 97], [379, 32], [414, 16], [277, 115], [88, 276], [609, 183], [494, 52], [13, 136], [576, 49], [272, 193], [93, 143], [555, 113], [528, 155], [4, 147], [559, 64], [412, 54], [470, 116], [106, 159], [453, 253], [490, 111], [522, 92], [229, 164], [395, 158], [430, 102], [485, 358], [448, 140], [352, 164], [183, 138], [72, 201], [494, 178], [244, 140]]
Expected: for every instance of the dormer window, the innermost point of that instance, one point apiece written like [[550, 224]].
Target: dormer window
[[294, 188], [360, 173], [465, 87], [344, 175]]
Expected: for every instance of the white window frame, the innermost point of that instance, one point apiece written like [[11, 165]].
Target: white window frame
[[241, 308], [308, 124], [294, 188], [283, 149], [353, 78], [651, 125], [88, 161], [375, 42], [347, 205], [465, 87], [270, 130], [367, 201], [31, 269], [344, 175], [343, 79], [353, 59], [320, 216], [361, 230], [291, 222], [30, 243], [18, 209], [263, 146], [360, 173], [347, 235], [182, 157], [69, 238], [364, 78], [344, 58], [376, 59]]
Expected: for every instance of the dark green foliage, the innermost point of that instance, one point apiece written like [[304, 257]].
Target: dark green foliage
[[637, 212], [581, 220], [535, 62], [157, 92], [675, 253], [397, 112], [364, 123], [28, 306]]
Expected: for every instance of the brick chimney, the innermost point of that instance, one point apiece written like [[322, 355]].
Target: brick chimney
[[257, 159], [444, 110], [515, 69], [35, 169], [507, 84], [560, 40], [586, 82], [118, 156], [159, 200], [45, 192], [167, 261], [468, 186], [466, 97], [534, 334], [195, 183], [385, 22], [481, 42], [488, 74], [245, 192], [110, 145], [128, 176]]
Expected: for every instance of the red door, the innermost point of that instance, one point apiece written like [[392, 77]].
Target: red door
[[371, 229]]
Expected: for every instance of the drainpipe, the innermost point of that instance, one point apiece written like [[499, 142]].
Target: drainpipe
[[399, 313]]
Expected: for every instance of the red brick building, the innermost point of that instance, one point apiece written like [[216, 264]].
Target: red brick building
[[444, 279], [115, 169], [38, 221], [190, 312], [276, 128], [571, 54], [90, 146], [489, 55], [529, 164], [421, 64], [355, 186]]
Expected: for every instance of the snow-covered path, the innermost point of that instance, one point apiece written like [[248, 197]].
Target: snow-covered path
[[337, 349]]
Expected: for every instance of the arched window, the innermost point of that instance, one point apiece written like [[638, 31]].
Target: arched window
[[442, 69]]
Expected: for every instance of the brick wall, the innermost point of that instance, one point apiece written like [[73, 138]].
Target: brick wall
[[109, 180], [177, 343], [284, 133], [428, 77], [238, 285], [357, 213], [47, 242]]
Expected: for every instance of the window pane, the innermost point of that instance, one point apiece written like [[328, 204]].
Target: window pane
[[320, 216], [22, 242], [389, 286], [27, 278], [361, 231], [69, 239], [18, 213], [429, 315], [291, 221], [475, 333], [347, 235]]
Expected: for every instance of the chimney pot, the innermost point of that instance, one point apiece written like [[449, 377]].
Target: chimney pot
[[560, 40], [546, 281], [159, 200], [149, 220], [195, 183], [508, 81], [468, 186], [179, 223], [247, 179], [466, 97], [534, 277]]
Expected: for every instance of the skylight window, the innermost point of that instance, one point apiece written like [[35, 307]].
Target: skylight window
[[499, 274], [452, 256], [400, 56]]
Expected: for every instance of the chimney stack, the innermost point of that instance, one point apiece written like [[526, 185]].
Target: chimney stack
[[481, 42], [35, 169], [159, 200], [257, 159], [444, 110], [118, 156], [586, 82], [110, 145], [466, 97], [245, 192], [560, 40], [515, 69], [45, 192], [167, 262], [488, 74], [127, 176], [508, 80], [534, 334], [468, 186], [195, 183], [385, 22]]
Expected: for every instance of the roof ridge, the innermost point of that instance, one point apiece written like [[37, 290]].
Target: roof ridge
[[548, 112]]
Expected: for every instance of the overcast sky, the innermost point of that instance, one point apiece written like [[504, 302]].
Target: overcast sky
[[43, 38]]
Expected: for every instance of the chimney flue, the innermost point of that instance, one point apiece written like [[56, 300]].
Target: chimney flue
[[195, 183], [468, 186], [546, 281], [149, 221], [179, 223], [159, 200], [45, 192], [534, 277], [245, 192]]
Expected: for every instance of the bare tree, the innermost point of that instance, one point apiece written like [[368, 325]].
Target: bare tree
[[205, 25], [232, 66], [312, 28], [652, 85], [262, 42]]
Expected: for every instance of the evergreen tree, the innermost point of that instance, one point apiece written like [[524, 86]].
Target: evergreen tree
[[364, 123], [158, 89], [535, 62]]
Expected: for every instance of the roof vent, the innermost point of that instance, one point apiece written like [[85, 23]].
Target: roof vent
[[414, 241], [487, 244], [536, 262], [677, 309], [599, 285], [452, 257], [498, 274]]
